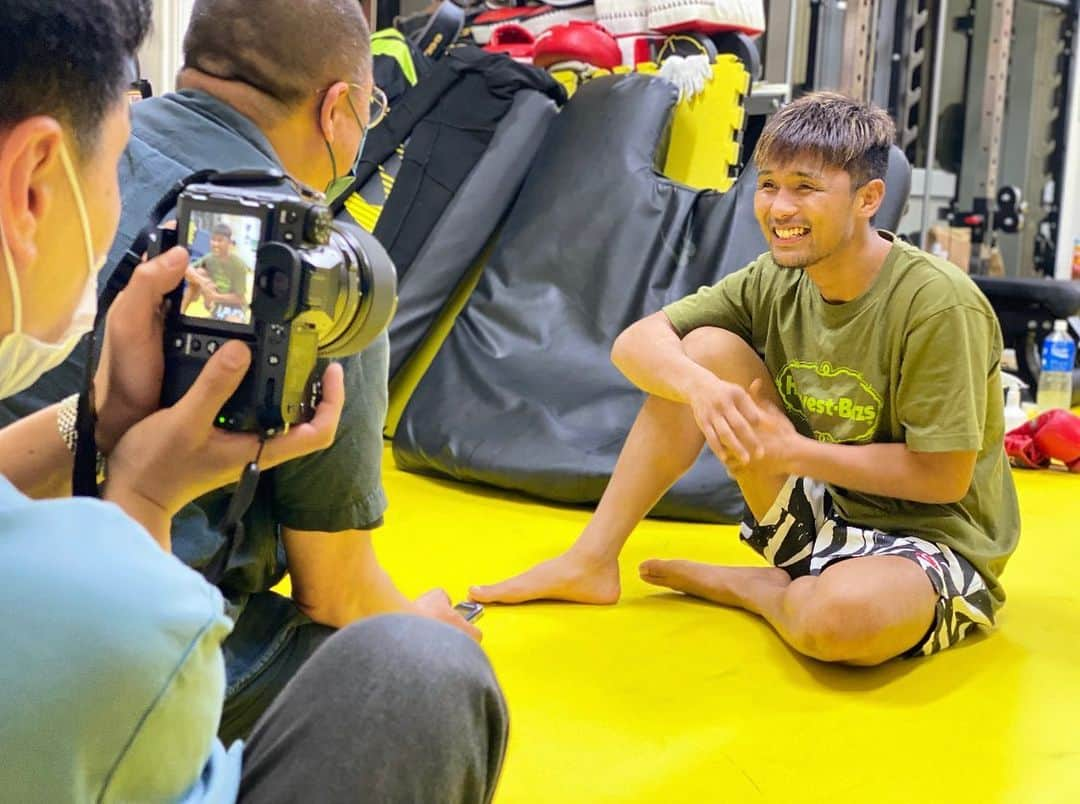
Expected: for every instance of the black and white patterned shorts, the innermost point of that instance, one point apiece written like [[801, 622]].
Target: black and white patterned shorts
[[802, 534]]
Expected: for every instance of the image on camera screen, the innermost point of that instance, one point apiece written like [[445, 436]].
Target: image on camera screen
[[220, 276]]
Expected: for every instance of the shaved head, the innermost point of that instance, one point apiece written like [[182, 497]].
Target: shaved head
[[286, 49]]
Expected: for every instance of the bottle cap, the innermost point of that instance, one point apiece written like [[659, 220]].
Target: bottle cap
[[1061, 325]]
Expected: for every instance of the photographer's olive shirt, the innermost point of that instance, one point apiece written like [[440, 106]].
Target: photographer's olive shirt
[[111, 671], [914, 360]]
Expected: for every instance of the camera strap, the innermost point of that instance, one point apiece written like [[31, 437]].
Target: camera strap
[[231, 524]]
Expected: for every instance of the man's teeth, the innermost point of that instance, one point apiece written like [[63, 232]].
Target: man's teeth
[[785, 234]]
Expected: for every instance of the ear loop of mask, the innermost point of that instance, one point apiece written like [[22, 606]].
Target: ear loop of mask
[[363, 132], [13, 278], [360, 147], [80, 205], [333, 162], [84, 220]]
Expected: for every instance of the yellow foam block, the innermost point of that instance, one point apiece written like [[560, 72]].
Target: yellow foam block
[[706, 130]]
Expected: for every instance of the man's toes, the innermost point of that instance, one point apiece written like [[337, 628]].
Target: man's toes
[[489, 593], [486, 594], [657, 571], [691, 577]]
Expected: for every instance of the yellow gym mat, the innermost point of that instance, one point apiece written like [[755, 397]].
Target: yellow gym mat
[[665, 699]]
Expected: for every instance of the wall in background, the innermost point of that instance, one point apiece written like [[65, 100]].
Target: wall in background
[[160, 56], [1068, 245]]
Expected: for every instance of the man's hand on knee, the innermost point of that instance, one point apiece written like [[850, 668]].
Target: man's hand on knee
[[727, 416], [776, 435]]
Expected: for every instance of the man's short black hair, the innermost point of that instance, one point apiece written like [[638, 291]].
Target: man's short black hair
[[841, 132], [221, 229], [68, 59]]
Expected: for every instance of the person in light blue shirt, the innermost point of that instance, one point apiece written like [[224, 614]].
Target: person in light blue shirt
[[110, 661], [123, 713]]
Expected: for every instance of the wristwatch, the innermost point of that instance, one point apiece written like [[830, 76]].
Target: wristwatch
[[66, 416]]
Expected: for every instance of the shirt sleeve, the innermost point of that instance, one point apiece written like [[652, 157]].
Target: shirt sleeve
[[113, 675], [942, 393], [727, 304]]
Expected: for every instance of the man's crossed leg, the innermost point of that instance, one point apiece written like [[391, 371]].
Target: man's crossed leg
[[861, 610]]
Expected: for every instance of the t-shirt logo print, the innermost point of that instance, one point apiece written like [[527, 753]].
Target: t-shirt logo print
[[837, 402]]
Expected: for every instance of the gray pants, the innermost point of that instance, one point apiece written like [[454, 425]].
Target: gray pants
[[271, 641], [391, 709]]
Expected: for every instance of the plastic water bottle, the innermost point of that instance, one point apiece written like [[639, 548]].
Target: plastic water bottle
[[1055, 379]]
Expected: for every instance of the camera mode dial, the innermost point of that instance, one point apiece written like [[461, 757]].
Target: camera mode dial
[[317, 225]]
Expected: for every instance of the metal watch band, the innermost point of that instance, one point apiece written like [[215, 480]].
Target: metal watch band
[[66, 416]]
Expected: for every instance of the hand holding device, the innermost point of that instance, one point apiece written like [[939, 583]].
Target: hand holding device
[[177, 454], [469, 610], [436, 604], [128, 379]]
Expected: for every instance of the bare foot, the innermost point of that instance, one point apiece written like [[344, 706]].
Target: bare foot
[[569, 576], [727, 586]]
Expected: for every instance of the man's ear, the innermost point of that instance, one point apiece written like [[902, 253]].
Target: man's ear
[[332, 105], [29, 161], [869, 198]]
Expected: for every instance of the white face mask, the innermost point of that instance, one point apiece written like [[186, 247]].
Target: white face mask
[[24, 358]]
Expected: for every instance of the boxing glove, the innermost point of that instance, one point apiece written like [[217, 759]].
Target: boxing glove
[[1057, 435], [1022, 452]]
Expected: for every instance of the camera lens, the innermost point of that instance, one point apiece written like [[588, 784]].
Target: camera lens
[[366, 292]]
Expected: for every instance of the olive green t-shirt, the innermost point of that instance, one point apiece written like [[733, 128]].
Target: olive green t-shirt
[[913, 360], [229, 275]]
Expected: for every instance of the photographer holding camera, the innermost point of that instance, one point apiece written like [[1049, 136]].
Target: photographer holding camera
[[272, 84], [111, 668]]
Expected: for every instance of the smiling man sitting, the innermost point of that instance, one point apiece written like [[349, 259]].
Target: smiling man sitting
[[850, 383]]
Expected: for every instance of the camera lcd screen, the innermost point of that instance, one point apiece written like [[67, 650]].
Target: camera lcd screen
[[220, 276]]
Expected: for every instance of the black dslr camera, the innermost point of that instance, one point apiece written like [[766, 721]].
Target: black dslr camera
[[270, 267]]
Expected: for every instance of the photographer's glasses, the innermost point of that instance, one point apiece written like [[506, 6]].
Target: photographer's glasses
[[379, 107], [377, 110]]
